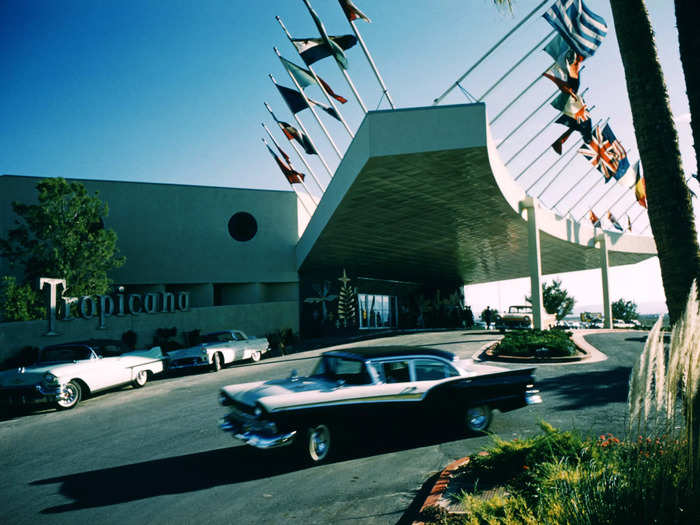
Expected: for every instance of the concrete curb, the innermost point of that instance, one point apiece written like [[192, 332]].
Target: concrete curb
[[440, 486]]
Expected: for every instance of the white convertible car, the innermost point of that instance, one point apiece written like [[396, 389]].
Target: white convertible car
[[218, 349], [66, 373]]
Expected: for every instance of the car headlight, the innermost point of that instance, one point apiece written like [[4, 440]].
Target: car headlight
[[258, 411], [50, 379], [203, 350]]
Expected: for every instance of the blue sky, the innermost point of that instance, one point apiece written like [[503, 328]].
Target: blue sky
[[173, 91]]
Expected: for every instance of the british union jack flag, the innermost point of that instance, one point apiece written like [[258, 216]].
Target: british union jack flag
[[601, 154]]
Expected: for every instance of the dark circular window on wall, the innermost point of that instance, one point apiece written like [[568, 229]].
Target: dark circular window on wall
[[242, 226]]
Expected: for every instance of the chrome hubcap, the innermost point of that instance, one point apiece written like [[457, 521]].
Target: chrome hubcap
[[141, 377], [320, 440], [68, 395], [476, 417]]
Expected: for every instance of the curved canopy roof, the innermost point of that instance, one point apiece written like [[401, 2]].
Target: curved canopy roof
[[421, 195]]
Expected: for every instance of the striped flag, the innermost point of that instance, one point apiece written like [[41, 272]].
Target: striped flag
[[582, 29], [295, 101], [314, 49], [352, 12]]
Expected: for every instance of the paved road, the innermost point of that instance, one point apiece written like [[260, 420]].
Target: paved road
[[156, 455]]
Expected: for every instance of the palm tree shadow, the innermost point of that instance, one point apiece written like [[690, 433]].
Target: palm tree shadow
[[203, 470]]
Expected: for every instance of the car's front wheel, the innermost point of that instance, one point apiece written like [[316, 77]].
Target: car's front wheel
[[477, 419], [141, 379], [255, 356], [70, 396], [317, 446], [216, 362]]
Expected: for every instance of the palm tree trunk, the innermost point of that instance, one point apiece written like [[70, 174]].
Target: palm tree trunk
[[670, 209], [687, 15]]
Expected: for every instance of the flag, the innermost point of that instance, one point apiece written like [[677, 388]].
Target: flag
[[305, 78], [629, 223], [580, 27], [595, 221], [314, 49], [293, 176], [616, 152], [295, 101], [560, 51], [584, 128], [293, 133], [352, 12], [598, 152], [572, 106], [640, 187], [334, 48], [614, 222]]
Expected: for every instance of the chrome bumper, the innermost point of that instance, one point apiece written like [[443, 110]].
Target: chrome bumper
[[255, 439], [533, 397]]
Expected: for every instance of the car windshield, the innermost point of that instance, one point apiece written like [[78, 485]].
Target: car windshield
[[64, 354], [340, 369], [218, 337]]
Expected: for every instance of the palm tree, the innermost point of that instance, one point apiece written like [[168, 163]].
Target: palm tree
[[687, 13], [670, 208]]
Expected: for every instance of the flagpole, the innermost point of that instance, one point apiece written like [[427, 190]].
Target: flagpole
[[575, 145], [500, 113], [293, 188], [311, 107], [320, 157], [536, 158], [313, 175], [585, 193], [532, 140], [345, 73], [318, 81], [439, 99], [526, 119], [512, 68], [371, 62]]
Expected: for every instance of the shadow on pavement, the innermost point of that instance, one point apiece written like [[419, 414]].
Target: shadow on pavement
[[588, 389], [203, 470]]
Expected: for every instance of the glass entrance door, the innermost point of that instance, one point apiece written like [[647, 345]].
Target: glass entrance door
[[377, 311]]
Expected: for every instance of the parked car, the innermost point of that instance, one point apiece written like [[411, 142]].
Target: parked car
[[218, 349], [357, 390], [66, 373], [621, 323], [521, 317]]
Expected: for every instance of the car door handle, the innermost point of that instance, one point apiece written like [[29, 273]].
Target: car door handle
[[409, 389]]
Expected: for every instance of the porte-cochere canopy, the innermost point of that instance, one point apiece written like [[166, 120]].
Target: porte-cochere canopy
[[421, 195]]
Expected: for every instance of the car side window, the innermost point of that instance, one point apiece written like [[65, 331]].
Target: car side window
[[396, 372], [432, 370], [237, 336]]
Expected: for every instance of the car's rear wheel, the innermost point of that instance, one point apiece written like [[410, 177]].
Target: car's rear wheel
[[141, 379], [477, 419], [255, 356], [70, 396], [216, 362], [318, 443]]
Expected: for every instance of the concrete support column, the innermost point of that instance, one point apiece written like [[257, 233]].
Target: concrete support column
[[529, 204], [602, 240]]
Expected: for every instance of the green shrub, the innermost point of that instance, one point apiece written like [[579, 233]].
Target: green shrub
[[536, 343], [19, 302]]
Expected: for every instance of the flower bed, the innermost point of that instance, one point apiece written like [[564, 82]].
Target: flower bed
[[536, 343]]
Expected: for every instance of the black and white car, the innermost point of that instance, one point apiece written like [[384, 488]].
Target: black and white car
[[359, 389]]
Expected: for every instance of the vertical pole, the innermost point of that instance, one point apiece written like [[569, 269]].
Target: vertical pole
[[607, 309], [269, 134], [311, 107], [320, 157], [534, 256], [293, 188], [318, 81], [371, 63]]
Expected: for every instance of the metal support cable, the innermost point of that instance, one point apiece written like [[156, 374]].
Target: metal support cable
[[585, 193], [514, 66], [539, 77], [550, 97], [532, 140], [576, 144], [486, 55]]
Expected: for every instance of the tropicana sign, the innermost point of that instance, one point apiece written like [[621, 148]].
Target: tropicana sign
[[103, 306]]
